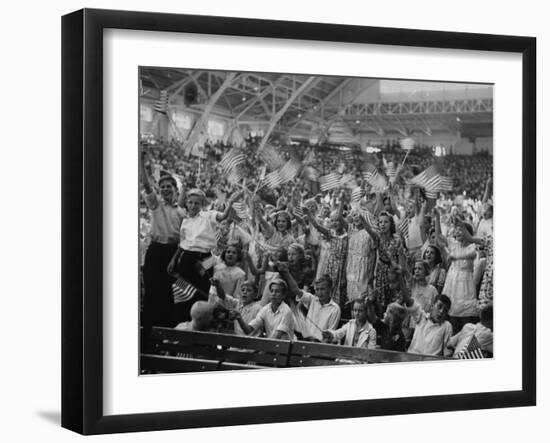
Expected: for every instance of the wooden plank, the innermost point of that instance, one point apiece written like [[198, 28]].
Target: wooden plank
[[301, 348], [223, 354], [213, 338], [168, 364], [299, 360]]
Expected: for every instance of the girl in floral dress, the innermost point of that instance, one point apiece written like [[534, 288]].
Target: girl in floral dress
[[360, 259], [390, 254], [332, 258]]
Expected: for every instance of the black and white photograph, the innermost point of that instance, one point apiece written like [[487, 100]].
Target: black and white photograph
[[293, 220]]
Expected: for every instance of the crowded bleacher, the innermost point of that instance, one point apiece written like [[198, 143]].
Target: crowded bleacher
[[386, 248]]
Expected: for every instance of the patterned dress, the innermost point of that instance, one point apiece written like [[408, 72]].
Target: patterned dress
[[388, 249], [332, 261], [486, 289], [360, 262]]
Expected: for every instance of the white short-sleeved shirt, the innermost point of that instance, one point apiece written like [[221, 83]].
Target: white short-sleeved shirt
[[319, 316], [280, 320], [165, 219], [429, 338], [198, 233]]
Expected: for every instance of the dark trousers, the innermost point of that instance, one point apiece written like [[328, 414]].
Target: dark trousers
[[190, 269], [158, 301]]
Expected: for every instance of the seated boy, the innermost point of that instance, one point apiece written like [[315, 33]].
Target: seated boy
[[482, 331], [432, 332], [275, 319], [357, 332], [247, 307]]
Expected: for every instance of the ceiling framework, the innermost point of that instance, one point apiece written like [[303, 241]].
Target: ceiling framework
[[289, 104]]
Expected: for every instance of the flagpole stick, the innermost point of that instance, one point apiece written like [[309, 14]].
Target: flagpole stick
[[405, 158]]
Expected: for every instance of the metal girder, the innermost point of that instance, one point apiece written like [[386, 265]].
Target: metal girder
[[281, 111], [204, 117], [312, 112], [182, 84], [423, 107]]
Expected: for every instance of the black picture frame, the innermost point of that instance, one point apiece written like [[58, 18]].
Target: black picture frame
[[82, 220]]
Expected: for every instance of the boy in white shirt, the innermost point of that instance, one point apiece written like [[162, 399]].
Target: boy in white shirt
[[432, 332]]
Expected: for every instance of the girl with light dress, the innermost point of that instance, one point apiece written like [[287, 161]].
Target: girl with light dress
[[459, 284]]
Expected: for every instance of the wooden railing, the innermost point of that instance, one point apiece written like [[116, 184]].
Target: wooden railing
[[171, 350]]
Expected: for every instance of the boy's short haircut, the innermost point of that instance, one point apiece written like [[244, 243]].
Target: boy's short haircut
[[280, 282], [324, 278], [486, 314], [251, 284], [443, 299]]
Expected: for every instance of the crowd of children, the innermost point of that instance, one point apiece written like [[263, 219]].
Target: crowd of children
[[393, 269]]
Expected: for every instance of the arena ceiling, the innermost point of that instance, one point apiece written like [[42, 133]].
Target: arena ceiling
[[299, 105]]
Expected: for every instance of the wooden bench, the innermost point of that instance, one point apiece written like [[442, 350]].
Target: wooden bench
[[170, 351], [223, 349], [303, 353]]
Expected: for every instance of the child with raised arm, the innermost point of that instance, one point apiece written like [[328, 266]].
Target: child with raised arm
[[246, 305], [432, 332], [459, 284]]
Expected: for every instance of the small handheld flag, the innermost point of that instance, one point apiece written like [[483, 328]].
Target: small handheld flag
[[183, 291], [472, 350]]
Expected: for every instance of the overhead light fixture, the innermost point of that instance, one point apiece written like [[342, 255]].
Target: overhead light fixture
[[357, 122], [243, 99], [299, 115]]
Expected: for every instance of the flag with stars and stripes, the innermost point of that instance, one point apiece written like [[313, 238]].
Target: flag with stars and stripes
[[235, 175], [403, 227], [273, 179], [472, 350], [161, 105], [270, 157], [433, 182], [357, 194], [329, 181], [183, 291], [231, 160]]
